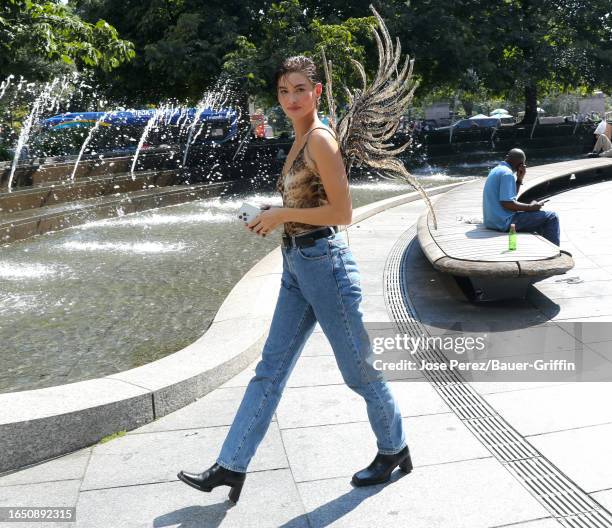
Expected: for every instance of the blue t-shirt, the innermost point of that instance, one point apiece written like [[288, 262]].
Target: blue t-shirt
[[499, 187]]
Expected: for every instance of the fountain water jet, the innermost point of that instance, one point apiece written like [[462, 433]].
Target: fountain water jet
[[86, 142], [159, 112], [211, 100], [27, 126], [5, 84]]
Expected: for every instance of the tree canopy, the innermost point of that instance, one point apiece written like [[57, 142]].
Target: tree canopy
[[39, 38], [538, 45], [287, 32], [149, 50]]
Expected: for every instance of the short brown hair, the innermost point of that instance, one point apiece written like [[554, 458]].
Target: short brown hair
[[298, 64]]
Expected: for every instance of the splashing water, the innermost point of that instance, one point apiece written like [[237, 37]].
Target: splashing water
[[86, 142], [171, 112], [66, 82], [44, 98], [5, 84], [124, 247], [213, 100], [182, 119], [159, 112]]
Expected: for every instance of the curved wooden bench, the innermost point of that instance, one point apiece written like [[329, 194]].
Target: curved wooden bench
[[471, 251]]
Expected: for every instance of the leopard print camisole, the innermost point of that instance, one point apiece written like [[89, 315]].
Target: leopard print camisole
[[301, 187]]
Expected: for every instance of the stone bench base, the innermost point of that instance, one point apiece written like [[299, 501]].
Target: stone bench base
[[486, 289]]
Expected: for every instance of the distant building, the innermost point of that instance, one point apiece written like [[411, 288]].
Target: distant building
[[594, 104], [438, 112]]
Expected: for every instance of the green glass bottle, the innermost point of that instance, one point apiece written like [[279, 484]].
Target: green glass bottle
[[512, 238]]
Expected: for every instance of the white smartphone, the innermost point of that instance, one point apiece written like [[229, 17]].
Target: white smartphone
[[248, 212]]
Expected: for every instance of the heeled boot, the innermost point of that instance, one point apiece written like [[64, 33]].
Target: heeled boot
[[215, 476], [382, 466]]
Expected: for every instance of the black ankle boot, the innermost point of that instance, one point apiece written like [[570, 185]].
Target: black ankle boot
[[215, 476], [382, 466]]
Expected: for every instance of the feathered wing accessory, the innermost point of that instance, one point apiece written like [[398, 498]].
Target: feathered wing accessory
[[374, 113]]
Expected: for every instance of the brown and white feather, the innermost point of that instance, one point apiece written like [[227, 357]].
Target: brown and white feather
[[374, 112]]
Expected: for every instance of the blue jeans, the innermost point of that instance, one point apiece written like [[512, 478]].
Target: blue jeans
[[319, 283], [545, 223]]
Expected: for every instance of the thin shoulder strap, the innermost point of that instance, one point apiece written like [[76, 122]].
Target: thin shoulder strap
[[319, 128], [305, 145]]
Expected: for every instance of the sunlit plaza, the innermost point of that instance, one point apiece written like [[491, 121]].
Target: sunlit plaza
[[136, 309]]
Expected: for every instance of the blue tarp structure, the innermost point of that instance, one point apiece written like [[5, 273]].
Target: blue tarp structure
[[137, 118]]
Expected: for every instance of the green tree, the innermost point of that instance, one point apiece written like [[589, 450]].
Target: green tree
[[478, 47], [179, 44], [541, 45], [287, 30], [36, 37], [283, 32], [444, 37]]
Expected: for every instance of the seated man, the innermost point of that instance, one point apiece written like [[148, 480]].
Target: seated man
[[500, 207], [603, 145]]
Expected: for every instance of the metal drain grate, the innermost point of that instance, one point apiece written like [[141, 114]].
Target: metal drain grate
[[502, 440], [568, 504]]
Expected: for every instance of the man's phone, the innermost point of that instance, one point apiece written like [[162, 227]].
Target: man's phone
[[248, 212], [542, 202]]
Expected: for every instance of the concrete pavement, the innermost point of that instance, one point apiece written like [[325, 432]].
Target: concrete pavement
[[300, 476]]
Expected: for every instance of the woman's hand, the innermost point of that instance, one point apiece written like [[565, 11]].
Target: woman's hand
[[267, 221]]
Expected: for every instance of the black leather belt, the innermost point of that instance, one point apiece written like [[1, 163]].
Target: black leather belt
[[308, 239]]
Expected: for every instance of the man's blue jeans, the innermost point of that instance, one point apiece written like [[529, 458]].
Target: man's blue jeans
[[545, 223], [319, 283]]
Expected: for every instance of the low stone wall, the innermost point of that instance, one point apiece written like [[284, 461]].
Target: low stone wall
[[40, 173], [13, 228]]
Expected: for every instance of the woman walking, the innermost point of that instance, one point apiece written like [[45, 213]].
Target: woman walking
[[320, 283]]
